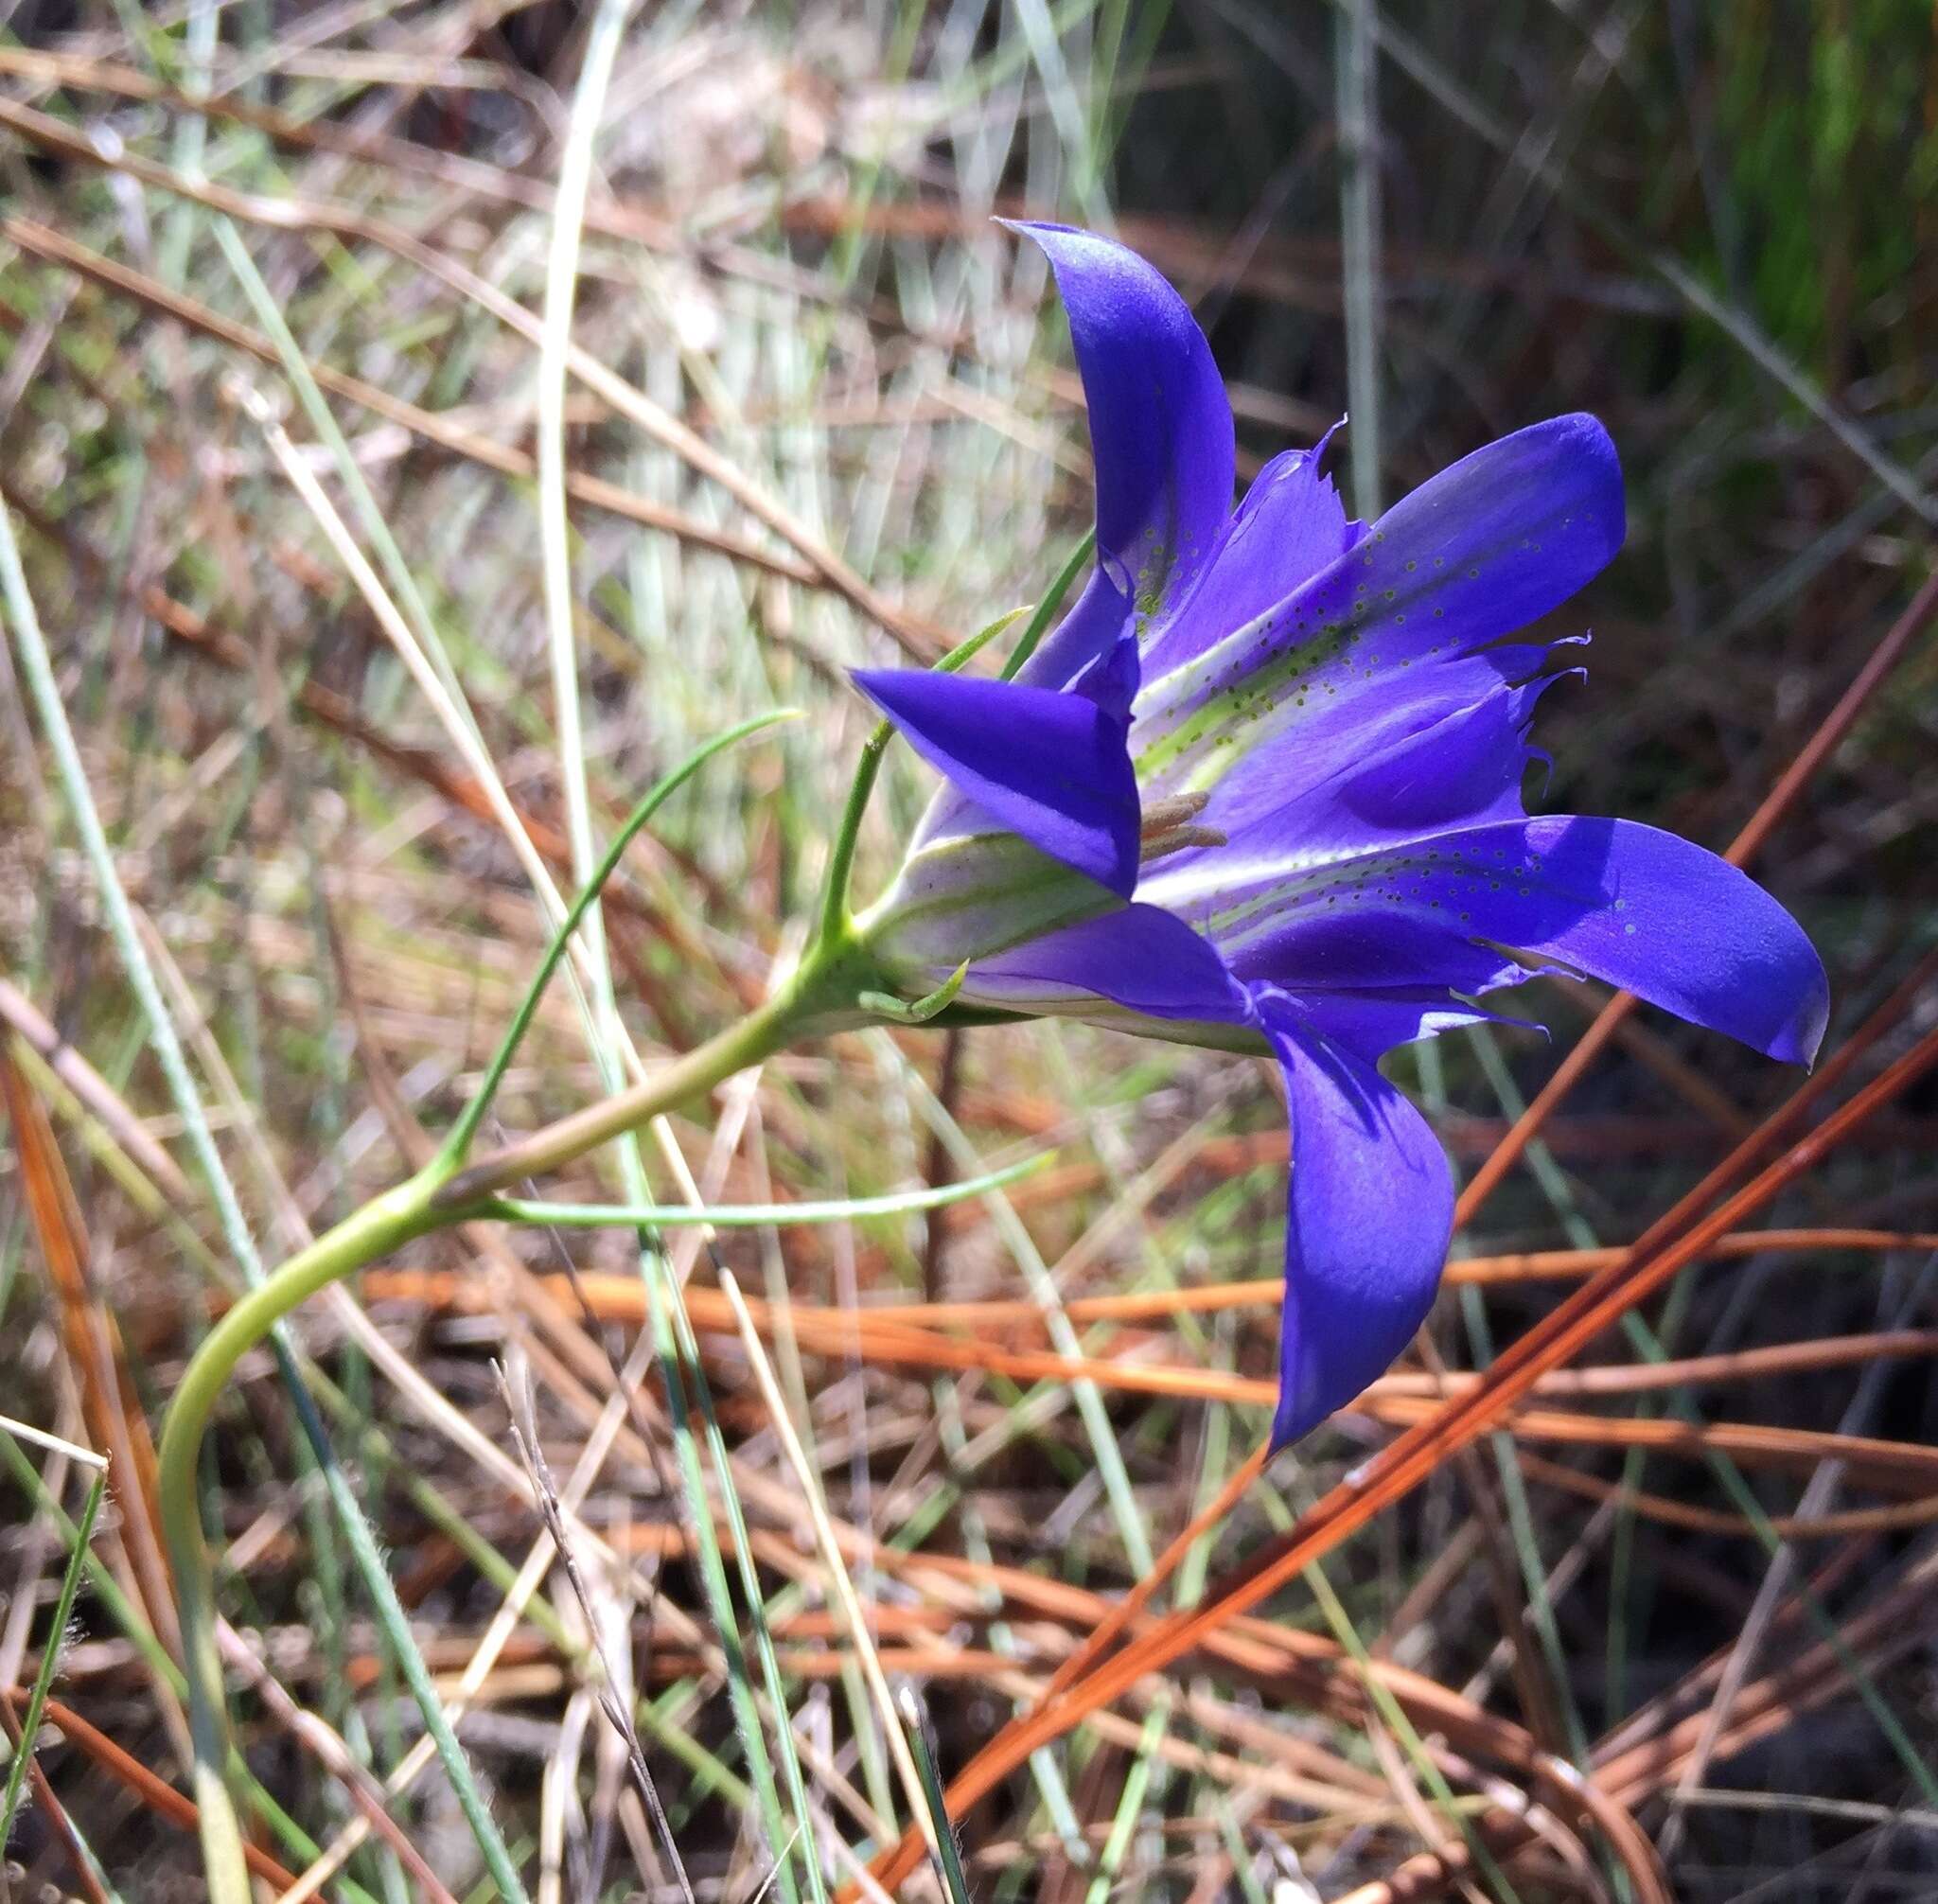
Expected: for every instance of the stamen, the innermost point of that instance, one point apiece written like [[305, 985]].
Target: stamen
[[1156, 845], [1173, 810]]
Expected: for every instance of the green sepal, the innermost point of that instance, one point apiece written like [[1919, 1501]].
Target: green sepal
[[899, 1012]]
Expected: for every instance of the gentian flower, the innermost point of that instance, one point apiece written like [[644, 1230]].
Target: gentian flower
[[1261, 789]]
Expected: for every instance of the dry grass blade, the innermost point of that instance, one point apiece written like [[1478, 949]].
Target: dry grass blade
[[154, 1794], [1893, 1465], [58, 249], [93, 1090], [1410, 1459], [518, 1407], [638, 408], [832, 1557], [617, 1298], [93, 1343], [316, 1739]]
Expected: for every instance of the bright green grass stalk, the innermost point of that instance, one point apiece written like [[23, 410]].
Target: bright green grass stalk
[[362, 1541], [1280, 1517], [1234, 1848], [831, 973], [1648, 1344], [420, 645], [1486, 1047], [50, 1651], [1403, 1730], [1148, 1773], [1731, 1478], [952, 1496], [688, 1352], [1104, 1449], [665, 1312]]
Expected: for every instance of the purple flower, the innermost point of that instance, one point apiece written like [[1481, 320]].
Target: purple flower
[[1261, 789]]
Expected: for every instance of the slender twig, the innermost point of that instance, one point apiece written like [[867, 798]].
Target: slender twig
[[519, 1410], [1356, 59]]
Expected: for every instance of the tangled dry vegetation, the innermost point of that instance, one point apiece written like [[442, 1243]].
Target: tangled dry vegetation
[[1621, 1586]]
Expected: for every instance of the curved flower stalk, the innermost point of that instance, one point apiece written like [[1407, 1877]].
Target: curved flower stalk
[[1261, 789]]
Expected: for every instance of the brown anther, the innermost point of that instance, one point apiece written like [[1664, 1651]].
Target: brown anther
[[1158, 844], [1173, 810]]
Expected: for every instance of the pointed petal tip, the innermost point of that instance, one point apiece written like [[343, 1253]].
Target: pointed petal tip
[[1369, 1216], [1614, 900], [1551, 491], [1801, 1037], [1289, 1425], [1160, 426], [1317, 452]]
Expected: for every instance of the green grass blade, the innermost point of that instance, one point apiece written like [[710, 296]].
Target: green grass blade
[[50, 1652]]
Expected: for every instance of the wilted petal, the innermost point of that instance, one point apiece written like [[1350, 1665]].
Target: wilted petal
[[1160, 434], [1621, 901], [1483, 549], [1369, 1212], [1051, 767]]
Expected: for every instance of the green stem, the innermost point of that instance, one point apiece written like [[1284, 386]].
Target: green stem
[[457, 1146], [1039, 622], [50, 1655], [438, 1196], [380, 1226], [819, 991], [758, 1215]]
